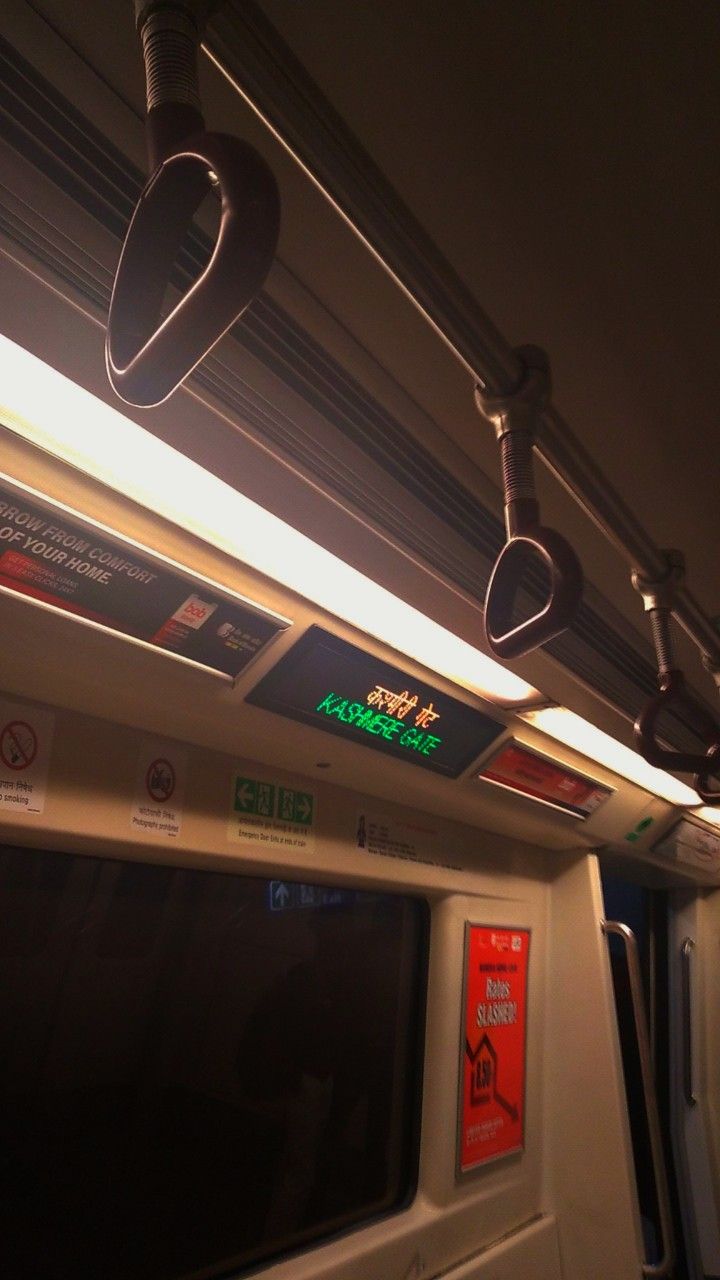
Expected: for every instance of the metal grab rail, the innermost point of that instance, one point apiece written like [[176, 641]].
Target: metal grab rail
[[335, 164], [686, 951], [147, 356], [515, 419], [667, 1261]]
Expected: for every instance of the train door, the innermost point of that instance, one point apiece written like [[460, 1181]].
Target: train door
[[692, 945], [651, 938]]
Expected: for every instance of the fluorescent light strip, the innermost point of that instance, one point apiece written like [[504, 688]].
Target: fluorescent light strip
[[707, 814], [567, 727], [48, 409]]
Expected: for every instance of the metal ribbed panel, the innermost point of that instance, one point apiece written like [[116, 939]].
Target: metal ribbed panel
[[68, 150]]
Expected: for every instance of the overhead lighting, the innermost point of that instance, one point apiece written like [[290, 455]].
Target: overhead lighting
[[64, 419], [567, 727], [707, 814]]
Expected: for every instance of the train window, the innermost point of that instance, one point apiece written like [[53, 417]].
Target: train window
[[199, 1071]]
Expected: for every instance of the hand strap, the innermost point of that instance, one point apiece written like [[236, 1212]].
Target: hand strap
[[658, 594], [516, 417], [148, 355]]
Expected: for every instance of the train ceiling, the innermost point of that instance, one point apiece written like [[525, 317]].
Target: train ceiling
[[563, 159]]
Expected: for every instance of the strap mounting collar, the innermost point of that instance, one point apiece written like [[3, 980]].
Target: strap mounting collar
[[659, 593], [521, 408]]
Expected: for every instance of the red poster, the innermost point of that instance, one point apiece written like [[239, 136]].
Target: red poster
[[492, 1104], [520, 769]]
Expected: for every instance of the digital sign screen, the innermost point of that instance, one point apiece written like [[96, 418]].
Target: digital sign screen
[[326, 682]]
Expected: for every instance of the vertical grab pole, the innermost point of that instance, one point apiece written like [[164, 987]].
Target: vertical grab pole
[[667, 1261], [686, 952]]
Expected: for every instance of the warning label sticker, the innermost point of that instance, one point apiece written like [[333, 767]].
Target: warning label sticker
[[157, 806], [25, 743], [267, 812], [492, 1069]]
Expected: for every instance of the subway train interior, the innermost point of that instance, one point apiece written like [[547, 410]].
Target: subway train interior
[[359, 596]]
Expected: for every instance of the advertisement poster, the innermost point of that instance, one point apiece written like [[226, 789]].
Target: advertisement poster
[[492, 1073], [50, 555], [520, 769]]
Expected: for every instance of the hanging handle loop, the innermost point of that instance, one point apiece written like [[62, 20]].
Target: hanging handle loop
[[701, 781], [658, 597], [148, 356], [515, 418]]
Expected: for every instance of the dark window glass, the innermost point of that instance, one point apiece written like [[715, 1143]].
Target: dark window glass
[[198, 1071]]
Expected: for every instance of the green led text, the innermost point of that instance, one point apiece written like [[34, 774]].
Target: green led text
[[381, 726]]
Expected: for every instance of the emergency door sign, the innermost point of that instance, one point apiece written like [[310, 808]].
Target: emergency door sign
[[492, 1070]]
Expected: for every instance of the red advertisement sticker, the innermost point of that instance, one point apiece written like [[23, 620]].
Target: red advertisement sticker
[[492, 1101], [520, 769]]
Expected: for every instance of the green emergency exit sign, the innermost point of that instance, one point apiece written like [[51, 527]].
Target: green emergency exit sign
[[263, 799]]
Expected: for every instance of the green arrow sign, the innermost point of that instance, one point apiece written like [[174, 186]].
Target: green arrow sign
[[295, 806], [254, 796]]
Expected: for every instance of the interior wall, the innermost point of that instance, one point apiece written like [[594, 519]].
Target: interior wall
[[547, 1209], [709, 1031], [590, 1170]]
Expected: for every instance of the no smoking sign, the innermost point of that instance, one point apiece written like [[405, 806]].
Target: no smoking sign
[[18, 744], [26, 734]]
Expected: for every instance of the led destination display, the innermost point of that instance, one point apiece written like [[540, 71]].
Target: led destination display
[[326, 682]]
